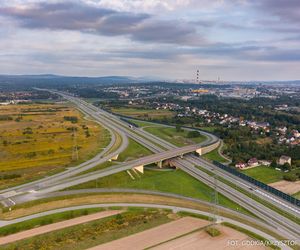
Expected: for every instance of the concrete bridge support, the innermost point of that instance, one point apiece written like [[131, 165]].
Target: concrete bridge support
[[114, 158], [139, 168], [160, 164]]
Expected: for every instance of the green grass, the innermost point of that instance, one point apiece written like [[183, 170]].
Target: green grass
[[264, 174], [141, 123], [171, 135], [134, 150], [45, 220], [97, 232], [213, 232], [177, 182], [215, 156], [297, 195]]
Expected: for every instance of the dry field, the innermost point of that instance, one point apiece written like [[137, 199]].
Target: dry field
[[201, 240], [287, 186], [155, 235], [38, 139], [181, 234], [143, 113]]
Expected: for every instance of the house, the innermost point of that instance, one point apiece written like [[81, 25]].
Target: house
[[241, 165], [284, 159], [265, 162], [253, 162]]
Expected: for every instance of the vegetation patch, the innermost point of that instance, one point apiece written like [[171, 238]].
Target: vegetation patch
[[96, 232], [212, 231], [45, 220], [177, 136], [176, 182], [134, 150], [40, 139]]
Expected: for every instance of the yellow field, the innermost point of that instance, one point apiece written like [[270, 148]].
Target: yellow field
[[143, 113], [38, 139]]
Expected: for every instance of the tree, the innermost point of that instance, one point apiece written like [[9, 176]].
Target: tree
[[273, 164], [290, 177], [178, 128], [193, 134]]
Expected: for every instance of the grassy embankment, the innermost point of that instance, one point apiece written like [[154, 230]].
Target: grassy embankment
[[178, 138], [214, 156], [176, 182], [37, 140]]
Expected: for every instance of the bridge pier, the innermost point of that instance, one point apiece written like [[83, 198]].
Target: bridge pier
[[199, 151], [159, 164], [139, 168], [114, 158]]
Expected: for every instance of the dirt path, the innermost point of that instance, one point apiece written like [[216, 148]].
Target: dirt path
[[56, 226], [155, 235]]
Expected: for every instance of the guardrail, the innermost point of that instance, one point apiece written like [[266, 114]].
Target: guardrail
[[259, 184]]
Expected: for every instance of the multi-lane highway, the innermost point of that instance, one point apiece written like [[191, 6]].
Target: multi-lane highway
[[163, 150]]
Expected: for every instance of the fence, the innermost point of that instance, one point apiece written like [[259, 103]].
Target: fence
[[259, 184]]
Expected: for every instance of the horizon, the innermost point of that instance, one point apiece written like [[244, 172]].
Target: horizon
[[258, 41]]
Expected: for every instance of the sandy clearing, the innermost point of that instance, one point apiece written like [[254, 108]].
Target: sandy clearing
[[56, 226], [287, 186], [155, 235], [201, 240]]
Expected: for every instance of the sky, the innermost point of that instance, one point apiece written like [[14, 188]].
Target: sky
[[166, 39]]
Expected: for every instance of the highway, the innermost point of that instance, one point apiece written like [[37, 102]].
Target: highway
[[280, 222], [284, 225], [163, 150]]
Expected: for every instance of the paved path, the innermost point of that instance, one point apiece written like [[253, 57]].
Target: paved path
[[56, 226]]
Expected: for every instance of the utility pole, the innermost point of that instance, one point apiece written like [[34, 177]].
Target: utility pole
[[214, 198]]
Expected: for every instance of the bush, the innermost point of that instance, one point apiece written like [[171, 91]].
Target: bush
[[213, 231], [290, 177], [193, 134], [72, 119]]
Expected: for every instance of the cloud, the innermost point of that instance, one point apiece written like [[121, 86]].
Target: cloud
[[286, 10], [82, 17]]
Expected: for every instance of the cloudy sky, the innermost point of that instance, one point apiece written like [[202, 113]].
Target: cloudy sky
[[233, 39]]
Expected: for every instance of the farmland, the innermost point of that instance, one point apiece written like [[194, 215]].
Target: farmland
[[38, 140], [141, 113]]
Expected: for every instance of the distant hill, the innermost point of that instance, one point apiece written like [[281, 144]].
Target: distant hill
[[48, 78]]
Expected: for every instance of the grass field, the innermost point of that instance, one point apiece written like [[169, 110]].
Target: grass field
[[297, 195], [141, 123], [214, 156], [134, 150], [171, 135], [38, 139], [264, 174], [176, 182], [143, 113], [93, 233]]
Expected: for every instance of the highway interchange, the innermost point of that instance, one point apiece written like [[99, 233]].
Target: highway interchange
[[180, 157]]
